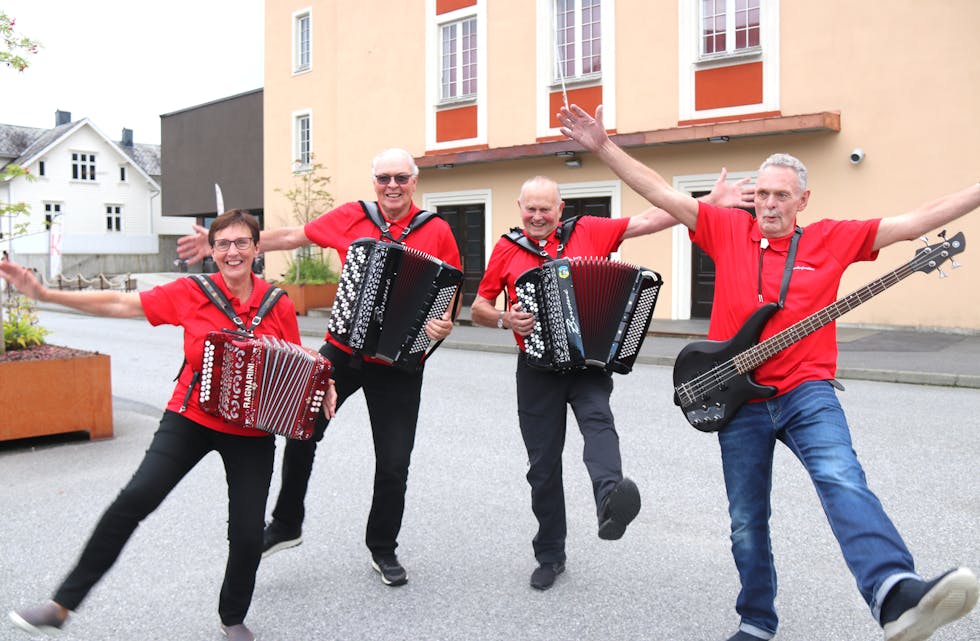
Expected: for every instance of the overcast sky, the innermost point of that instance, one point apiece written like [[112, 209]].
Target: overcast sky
[[123, 63]]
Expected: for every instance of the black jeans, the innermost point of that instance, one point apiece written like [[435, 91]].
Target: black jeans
[[176, 448], [392, 398], [542, 400]]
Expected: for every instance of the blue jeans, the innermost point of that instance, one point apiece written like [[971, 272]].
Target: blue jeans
[[810, 422]]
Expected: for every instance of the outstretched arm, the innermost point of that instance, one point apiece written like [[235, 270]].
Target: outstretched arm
[[590, 133], [194, 247], [927, 216], [723, 194], [100, 303]]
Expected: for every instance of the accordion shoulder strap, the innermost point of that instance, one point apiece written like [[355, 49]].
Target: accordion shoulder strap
[[564, 232], [271, 297], [373, 213]]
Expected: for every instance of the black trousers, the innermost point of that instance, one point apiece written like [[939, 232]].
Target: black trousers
[[392, 398], [543, 398], [178, 445]]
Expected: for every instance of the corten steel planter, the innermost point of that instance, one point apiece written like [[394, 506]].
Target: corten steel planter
[[55, 396], [307, 297]]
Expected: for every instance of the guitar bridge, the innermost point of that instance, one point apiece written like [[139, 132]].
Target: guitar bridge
[[706, 415]]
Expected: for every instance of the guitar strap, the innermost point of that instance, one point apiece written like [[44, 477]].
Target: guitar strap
[[787, 269]]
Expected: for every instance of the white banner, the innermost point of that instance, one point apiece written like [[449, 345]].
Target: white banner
[[54, 249]]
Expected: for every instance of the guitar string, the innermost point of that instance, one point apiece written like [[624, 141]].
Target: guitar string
[[696, 387]]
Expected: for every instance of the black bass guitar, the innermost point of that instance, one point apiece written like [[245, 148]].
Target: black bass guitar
[[712, 379]]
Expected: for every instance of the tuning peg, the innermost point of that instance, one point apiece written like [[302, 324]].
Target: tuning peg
[[924, 239], [942, 234], [942, 274], [956, 265]]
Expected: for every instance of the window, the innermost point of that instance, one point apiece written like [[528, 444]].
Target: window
[[51, 211], [82, 166], [302, 43], [303, 151], [458, 58], [729, 26], [113, 218], [122, 173], [40, 168], [578, 38]]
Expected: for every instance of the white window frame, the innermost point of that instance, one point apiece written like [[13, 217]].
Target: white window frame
[[680, 281], [547, 55], [303, 48], [730, 50], [299, 162], [433, 73], [453, 92], [83, 166], [577, 74], [113, 214], [691, 60]]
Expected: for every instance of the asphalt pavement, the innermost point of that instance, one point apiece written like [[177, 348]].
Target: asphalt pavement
[[467, 530]]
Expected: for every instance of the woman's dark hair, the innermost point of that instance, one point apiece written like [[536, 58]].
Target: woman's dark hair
[[234, 217]]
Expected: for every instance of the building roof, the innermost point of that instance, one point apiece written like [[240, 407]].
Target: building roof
[[20, 144]]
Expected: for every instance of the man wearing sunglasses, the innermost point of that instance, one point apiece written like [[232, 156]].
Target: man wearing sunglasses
[[392, 395]]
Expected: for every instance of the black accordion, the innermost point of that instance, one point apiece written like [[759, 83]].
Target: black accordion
[[386, 295], [263, 382], [589, 312]]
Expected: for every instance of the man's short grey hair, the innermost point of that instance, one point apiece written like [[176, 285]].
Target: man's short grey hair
[[786, 160], [540, 179], [394, 152]]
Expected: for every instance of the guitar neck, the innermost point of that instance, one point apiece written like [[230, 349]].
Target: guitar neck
[[761, 352]]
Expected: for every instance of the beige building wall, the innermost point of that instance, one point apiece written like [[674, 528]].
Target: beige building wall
[[901, 76]]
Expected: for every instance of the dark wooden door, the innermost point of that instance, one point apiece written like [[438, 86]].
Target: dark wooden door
[[594, 206], [702, 279], [466, 222]]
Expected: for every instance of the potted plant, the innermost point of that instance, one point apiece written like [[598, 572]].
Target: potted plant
[[311, 276]]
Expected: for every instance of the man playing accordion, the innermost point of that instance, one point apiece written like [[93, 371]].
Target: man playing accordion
[[543, 396]]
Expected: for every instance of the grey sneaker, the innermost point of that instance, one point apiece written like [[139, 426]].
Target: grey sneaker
[[275, 537], [915, 609], [619, 509], [391, 571], [46, 618], [237, 632]]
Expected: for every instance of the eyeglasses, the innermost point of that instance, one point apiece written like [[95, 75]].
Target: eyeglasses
[[224, 244], [401, 179]]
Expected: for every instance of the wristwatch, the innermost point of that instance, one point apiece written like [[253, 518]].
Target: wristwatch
[[500, 321]]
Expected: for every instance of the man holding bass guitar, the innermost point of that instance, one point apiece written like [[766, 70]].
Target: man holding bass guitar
[[798, 271]]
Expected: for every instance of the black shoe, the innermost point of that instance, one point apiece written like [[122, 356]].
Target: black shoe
[[742, 635], [914, 609], [391, 571], [238, 632], [46, 618], [275, 537], [620, 508], [544, 576]]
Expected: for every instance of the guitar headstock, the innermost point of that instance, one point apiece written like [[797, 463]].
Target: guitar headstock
[[931, 257]]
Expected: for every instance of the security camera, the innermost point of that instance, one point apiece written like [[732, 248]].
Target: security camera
[[857, 155]]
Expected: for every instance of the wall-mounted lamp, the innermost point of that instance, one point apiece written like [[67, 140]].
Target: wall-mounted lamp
[[445, 165], [718, 139], [573, 163], [565, 154]]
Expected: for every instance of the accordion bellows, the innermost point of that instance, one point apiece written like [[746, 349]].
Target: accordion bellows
[[589, 312], [386, 295], [263, 382]]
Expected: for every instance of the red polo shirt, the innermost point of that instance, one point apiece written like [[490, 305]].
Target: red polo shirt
[[592, 237], [182, 303], [339, 227], [827, 247]]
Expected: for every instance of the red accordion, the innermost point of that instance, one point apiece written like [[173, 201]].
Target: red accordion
[[263, 382], [589, 312], [386, 295]]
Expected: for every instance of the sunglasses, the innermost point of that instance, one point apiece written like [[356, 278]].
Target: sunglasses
[[401, 179], [224, 244]]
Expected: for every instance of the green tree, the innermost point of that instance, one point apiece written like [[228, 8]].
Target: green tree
[[309, 198], [13, 53]]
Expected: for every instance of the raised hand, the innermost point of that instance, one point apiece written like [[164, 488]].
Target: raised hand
[[736, 194], [194, 247], [583, 128]]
